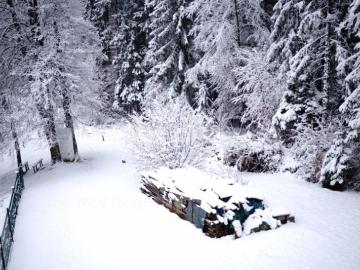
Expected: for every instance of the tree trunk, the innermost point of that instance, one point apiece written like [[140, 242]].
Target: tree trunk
[[91, 7], [69, 122], [330, 60], [53, 143], [14, 17], [48, 115], [16, 145], [33, 13], [50, 133], [237, 22], [14, 134], [16, 22]]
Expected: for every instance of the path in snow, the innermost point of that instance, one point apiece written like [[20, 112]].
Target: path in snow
[[91, 215]]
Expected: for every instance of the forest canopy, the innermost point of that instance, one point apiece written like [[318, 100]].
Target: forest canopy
[[287, 71]]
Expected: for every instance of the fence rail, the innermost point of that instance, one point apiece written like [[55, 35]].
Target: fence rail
[[7, 235]]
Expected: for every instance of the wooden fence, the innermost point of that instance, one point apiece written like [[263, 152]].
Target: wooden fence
[[7, 235]]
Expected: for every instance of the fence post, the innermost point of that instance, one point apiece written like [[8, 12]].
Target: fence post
[[21, 175], [2, 255], [9, 224]]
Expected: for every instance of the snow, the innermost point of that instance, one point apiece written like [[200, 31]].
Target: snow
[[259, 217], [65, 140], [4, 202], [32, 150], [91, 215]]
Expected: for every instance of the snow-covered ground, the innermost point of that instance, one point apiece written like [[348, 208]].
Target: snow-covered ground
[[91, 215], [32, 150]]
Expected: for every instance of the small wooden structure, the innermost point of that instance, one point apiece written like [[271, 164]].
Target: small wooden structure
[[38, 166], [25, 168], [219, 207]]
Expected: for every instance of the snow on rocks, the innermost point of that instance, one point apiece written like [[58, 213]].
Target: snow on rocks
[[260, 220], [218, 206]]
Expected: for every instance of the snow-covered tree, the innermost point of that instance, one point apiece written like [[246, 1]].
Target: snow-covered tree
[[130, 42], [258, 91], [221, 30], [99, 12], [105, 16], [48, 70], [18, 26], [351, 106], [284, 39], [340, 167], [333, 173], [70, 67], [167, 57], [314, 90]]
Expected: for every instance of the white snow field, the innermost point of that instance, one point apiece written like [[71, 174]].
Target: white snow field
[[91, 215]]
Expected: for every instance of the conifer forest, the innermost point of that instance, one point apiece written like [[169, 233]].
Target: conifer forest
[[107, 104]]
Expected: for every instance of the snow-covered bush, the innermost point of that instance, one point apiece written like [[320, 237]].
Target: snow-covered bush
[[334, 166], [251, 152], [340, 169], [171, 134], [309, 148]]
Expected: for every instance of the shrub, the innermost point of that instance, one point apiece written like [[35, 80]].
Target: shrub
[[310, 147], [170, 133], [253, 153], [340, 168]]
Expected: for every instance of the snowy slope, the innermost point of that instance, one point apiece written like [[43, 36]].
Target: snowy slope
[[91, 215]]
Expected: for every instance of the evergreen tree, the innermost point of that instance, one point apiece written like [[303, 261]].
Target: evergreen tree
[[131, 46], [341, 164], [105, 16], [284, 39], [100, 13], [351, 106], [167, 57], [314, 87]]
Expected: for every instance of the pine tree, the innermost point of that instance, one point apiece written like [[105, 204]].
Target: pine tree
[[284, 39], [340, 168], [111, 18], [99, 13], [333, 173], [131, 45], [351, 106], [167, 57], [314, 87]]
